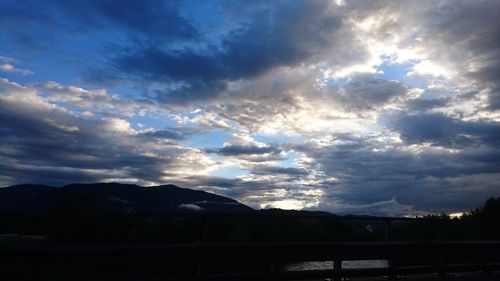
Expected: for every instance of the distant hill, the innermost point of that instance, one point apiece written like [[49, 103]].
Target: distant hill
[[112, 199], [298, 213]]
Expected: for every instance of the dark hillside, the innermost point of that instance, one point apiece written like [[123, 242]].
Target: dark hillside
[[112, 199]]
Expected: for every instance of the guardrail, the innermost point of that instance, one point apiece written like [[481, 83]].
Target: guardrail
[[248, 261]]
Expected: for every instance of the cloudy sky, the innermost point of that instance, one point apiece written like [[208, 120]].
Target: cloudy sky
[[373, 107]]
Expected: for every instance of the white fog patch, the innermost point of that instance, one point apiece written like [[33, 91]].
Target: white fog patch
[[192, 207]]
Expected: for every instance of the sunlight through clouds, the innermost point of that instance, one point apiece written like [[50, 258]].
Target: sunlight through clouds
[[391, 108]]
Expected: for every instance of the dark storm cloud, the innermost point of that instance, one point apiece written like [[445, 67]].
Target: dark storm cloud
[[474, 27], [235, 150], [250, 152], [260, 67], [366, 92], [270, 39], [50, 175], [158, 21], [266, 170], [428, 180], [440, 129], [41, 143], [423, 105], [194, 90], [177, 133]]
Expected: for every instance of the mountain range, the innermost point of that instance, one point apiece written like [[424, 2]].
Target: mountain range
[[112, 199]]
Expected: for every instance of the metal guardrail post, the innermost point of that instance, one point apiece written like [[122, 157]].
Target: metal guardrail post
[[337, 270], [441, 267], [205, 225], [392, 269], [483, 264], [388, 230], [272, 267]]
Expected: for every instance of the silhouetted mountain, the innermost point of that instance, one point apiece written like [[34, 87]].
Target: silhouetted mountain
[[112, 199], [299, 213]]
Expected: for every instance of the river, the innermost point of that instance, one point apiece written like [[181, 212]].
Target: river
[[321, 265]]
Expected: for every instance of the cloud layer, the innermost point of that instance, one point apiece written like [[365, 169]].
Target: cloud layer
[[347, 106]]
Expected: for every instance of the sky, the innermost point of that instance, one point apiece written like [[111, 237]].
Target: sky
[[359, 107]]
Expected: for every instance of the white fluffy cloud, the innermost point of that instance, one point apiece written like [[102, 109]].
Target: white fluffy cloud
[[349, 106]]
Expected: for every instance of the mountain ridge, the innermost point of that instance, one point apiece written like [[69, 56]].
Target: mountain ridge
[[113, 199]]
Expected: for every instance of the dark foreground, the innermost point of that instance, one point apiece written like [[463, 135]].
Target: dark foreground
[[249, 261], [451, 277]]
